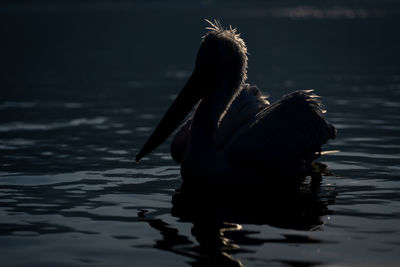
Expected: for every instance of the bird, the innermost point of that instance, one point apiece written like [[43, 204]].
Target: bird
[[234, 134]]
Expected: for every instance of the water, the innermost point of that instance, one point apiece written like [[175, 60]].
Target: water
[[82, 86]]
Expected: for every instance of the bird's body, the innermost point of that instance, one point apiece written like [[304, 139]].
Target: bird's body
[[234, 133], [253, 139]]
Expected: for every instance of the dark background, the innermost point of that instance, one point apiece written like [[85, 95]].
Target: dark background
[[87, 43]]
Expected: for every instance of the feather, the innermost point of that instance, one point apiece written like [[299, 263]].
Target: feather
[[292, 130]]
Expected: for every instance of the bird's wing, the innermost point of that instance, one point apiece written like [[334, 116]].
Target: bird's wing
[[247, 104], [284, 133]]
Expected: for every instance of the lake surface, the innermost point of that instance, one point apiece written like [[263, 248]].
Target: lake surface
[[83, 85]]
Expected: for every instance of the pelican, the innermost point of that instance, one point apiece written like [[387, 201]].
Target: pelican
[[234, 133]]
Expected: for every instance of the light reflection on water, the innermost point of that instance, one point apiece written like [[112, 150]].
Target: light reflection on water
[[71, 194]]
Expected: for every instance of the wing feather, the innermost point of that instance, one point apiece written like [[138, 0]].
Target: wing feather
[[284, 134]]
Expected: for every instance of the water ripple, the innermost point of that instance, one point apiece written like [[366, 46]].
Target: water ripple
[[24, 126]]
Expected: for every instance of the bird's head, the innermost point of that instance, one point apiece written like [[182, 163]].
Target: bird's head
[[222, 57], [221, 62]]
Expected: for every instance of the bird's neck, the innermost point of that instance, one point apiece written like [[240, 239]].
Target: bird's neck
[[212, 108], [205, 122]]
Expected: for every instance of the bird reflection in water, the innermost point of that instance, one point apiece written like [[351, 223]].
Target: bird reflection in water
[[218, 213]]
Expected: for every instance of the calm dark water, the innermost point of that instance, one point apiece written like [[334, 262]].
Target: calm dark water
[[83, 85]]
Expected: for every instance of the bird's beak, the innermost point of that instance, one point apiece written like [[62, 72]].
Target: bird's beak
[[183, 104]]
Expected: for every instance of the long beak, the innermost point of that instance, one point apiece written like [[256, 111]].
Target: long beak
[[183, 104]]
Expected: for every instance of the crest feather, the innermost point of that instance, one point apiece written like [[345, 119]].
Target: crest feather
[[216, 29]]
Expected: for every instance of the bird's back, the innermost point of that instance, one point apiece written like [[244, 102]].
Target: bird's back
[[283, 135]]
